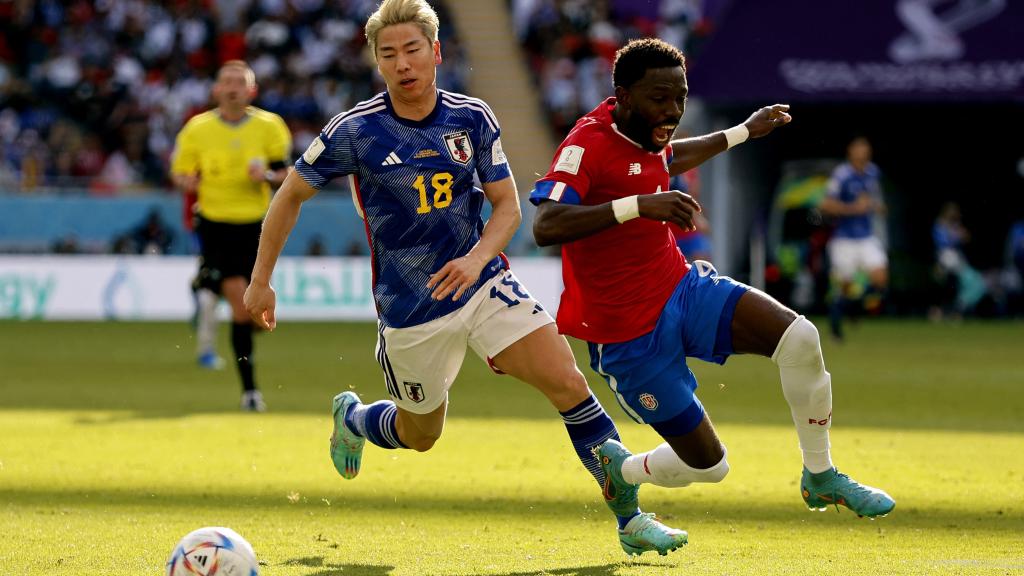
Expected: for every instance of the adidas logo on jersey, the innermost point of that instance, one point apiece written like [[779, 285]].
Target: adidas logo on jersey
[[391, 160]]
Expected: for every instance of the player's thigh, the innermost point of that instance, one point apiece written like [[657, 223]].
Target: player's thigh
[[843, 257], [648, 374], [516, 336], [544, 360], [758, 323], [875, 261], [420, 363]]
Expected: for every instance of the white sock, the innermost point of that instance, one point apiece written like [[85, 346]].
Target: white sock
[[663, 467], [807, 387], [206, 321]]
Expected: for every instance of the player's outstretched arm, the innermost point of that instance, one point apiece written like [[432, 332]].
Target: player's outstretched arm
[[558, 223], [260, 300], [461, 273], [692, 152]]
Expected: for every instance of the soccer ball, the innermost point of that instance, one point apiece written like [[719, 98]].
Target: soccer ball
[[213, 551]]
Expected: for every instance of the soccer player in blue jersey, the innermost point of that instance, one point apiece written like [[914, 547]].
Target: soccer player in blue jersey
[[854, 199], [440, 281]]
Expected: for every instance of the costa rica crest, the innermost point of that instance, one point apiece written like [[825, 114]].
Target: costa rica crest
[[459, 147], [648, 401]]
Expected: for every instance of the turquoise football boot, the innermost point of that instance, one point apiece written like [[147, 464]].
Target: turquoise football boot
[[621, 496], [834, 488], [346, 446], [644, 533]]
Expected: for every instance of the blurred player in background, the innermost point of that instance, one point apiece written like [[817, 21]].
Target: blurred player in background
[[440, 280], [695, 244], [854, 199], [643, 308], [231, 156]]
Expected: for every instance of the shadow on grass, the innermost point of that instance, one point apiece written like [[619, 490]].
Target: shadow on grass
[[1004, 519], [324, 568]]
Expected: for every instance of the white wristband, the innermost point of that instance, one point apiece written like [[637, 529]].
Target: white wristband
[[736, 135], [626, 208]]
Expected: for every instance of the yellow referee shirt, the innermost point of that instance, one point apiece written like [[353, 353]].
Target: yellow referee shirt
[[221, 153]]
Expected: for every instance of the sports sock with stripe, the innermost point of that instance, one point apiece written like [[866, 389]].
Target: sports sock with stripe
[[375, 422], [589, 426]]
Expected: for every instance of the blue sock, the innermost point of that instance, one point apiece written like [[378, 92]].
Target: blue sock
[[589, 426], [375, 422]]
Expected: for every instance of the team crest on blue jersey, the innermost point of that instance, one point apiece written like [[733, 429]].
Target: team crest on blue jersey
[[646, 400], [414, 391], [459, 147]]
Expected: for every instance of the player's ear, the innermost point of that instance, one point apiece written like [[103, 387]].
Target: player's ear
[[437, 52], [622, 96]]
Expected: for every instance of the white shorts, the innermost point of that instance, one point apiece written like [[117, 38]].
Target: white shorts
[[421, 362], [852, 255]]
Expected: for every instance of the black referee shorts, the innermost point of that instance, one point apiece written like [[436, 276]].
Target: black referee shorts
[[228, 249]]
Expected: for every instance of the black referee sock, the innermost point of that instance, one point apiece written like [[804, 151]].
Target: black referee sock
[[241, 341]]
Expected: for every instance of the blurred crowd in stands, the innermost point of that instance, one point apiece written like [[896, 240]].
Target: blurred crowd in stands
[[571, 44], [92, 92]]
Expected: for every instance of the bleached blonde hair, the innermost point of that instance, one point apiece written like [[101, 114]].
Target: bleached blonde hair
[[392, 12]]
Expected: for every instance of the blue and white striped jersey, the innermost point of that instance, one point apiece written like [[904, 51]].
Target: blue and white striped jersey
[[846, 185], [412, 183]]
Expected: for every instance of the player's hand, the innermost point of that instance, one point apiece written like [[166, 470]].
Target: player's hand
[[257, 170], [260, 302], [767, 119], [455, 277], [673, 206], [864, 204], [186, 181]]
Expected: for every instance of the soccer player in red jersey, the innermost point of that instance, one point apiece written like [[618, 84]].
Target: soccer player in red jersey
[[644, 309]]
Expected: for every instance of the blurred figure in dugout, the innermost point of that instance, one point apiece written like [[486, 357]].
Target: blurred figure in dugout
[[952, 269]]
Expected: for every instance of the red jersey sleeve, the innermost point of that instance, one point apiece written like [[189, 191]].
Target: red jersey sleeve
[[577, 163]]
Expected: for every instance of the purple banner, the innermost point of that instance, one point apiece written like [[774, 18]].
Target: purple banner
[[841, 50]]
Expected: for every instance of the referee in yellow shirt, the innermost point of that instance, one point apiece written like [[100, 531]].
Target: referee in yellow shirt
[[232, 155]]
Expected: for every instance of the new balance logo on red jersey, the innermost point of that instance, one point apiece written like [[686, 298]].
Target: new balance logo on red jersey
[[634, 169], [391, 160]]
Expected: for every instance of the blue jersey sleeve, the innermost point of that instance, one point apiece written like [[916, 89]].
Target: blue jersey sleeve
[[491, 165], [329, 155]]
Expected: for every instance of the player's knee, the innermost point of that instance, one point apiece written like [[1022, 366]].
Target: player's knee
[[568, 389], [800, 345]]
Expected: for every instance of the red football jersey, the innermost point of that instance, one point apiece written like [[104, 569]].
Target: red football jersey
[[616, 281]]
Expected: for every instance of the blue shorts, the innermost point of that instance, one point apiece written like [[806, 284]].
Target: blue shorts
[[649, 374]]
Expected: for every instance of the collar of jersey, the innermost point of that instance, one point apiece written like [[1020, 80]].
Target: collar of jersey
[[426, 121], [236, 124]]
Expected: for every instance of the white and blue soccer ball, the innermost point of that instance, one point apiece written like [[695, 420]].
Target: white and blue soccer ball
[[213, 551]]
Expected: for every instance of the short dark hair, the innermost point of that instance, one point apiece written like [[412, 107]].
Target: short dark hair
[[634, 59]]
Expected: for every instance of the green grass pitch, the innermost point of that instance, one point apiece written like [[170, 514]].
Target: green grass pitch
[[113, 445]]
